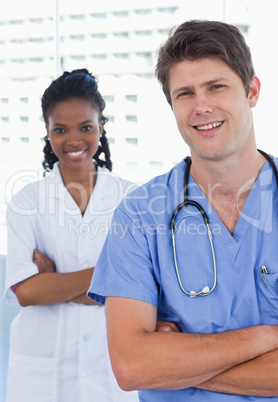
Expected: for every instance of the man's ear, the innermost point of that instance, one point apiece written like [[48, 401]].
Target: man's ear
[[254, 92]]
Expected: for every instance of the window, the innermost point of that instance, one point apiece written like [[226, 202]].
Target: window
[[24, 118], [19, 41], [168, 10], [111, 119], [17, 22], [131, 98], [111, 141], [78, 37], [99, 56], [155, 165], [78, 58], [18, 61], [4, 100], [122, 14], [143, 12], [24, 100], [37, 60], [131, 165], [143, 33], [80, 17], [40, 40], [99, 36], [4, 119], [26, 140], [131, 118], [37, 20], [145, 55], [109, 98], [100, 16], [243, 28], [121, 34], [122, 56], [132, 141]]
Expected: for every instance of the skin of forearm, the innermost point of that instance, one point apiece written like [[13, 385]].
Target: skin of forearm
[[53, 288], [84, 299], [207, 355], [257, 377], [144, 359]]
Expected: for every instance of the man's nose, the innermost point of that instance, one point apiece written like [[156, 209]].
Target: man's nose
[[202, 105]]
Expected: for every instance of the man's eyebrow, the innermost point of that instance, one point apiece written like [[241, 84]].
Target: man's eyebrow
[[182, 89], [203, 85], [214, 81]]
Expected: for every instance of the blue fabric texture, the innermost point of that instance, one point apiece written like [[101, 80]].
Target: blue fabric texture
[[137, 262]]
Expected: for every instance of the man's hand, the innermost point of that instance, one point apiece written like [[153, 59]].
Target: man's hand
[[166, 326], [43, 263]]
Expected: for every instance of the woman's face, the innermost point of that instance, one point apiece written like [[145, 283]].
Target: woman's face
[[74, 130]]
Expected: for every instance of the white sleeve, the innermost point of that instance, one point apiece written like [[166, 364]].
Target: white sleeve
[[20, 220]]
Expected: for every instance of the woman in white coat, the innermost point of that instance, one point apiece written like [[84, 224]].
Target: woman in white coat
[[56, 229]]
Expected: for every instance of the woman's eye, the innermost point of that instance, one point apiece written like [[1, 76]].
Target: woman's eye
[[87, 128], [59, 130]]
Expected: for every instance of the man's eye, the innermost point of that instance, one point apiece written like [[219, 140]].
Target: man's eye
[[217, 86], [185, 93]]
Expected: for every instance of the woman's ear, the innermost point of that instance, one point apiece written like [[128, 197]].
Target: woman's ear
[[47, 130], [254, 92], [100, 127]]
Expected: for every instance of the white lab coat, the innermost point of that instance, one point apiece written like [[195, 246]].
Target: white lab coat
[[58, 353]]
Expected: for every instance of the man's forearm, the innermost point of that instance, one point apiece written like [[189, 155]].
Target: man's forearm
[[144, 359], [257, 377]]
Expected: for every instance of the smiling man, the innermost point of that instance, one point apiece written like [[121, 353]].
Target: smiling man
[[200, 243]]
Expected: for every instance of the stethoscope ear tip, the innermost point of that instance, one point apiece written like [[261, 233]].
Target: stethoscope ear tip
[[206, 289]]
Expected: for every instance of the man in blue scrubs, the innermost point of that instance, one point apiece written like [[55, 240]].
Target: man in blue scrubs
[[226, 348]]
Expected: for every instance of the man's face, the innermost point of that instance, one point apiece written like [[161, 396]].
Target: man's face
[[212, 110]]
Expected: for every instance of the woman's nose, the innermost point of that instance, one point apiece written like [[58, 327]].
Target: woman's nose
[[75, 136]]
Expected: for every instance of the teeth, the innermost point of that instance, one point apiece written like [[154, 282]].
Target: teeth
[[209, 126], [76, 153]]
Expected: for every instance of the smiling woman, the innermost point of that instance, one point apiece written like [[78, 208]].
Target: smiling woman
[[74, 129], [52, 253]]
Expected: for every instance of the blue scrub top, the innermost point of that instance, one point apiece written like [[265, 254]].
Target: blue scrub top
[[137, 262]]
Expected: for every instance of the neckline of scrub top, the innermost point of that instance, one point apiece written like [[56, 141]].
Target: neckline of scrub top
[[231, 243]]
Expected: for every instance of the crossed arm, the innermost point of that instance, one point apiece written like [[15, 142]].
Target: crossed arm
[[243, 361], [50, 287]]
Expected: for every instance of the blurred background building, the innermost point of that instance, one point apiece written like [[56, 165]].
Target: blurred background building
[[117, 41]]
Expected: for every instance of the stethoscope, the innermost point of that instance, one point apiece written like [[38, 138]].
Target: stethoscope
[[206, 290]]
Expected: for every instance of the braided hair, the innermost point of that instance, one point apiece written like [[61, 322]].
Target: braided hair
[[76, 84]]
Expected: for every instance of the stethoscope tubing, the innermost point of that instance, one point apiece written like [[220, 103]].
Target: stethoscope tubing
[[206, 290]]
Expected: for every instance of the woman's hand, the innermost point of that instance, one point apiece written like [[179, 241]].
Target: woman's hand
[[166, 326], [43, 263]]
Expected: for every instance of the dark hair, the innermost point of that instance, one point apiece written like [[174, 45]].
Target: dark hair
[[77, 84], [197, 39]]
